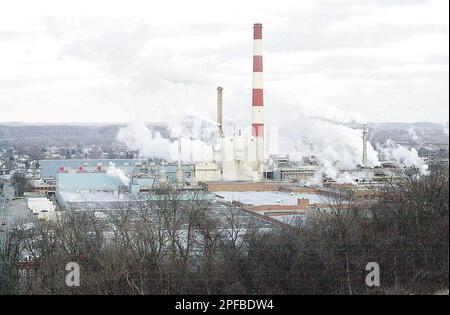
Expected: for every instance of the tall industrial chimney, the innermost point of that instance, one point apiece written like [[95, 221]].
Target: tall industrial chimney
[[257, 96], [364, 159], [220, 110]]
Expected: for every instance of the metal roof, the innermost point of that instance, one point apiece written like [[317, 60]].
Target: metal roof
[[258, 198], [50, 167], [108, 202], [86, 181]]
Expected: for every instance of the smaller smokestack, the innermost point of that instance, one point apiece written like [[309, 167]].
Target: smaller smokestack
[[364, 158], [220, 110], [179, 149], [180, 172]]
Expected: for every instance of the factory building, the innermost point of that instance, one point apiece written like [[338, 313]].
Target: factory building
[[43, 185], [112, 183], [277, 206], [207, 172], [87, 180], [239, 158], [301, 173], [289, 203], [98, 190], [93, 174]]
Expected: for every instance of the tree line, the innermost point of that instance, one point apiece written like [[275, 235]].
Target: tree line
[[173, 247]]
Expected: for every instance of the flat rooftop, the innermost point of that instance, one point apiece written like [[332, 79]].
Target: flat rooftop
[[115, 197], [108, 202], [259, 198]]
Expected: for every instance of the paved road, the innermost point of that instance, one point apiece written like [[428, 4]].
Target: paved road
[[4, 199], [8, 194]]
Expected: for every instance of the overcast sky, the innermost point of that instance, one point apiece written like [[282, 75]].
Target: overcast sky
[[110, 61]]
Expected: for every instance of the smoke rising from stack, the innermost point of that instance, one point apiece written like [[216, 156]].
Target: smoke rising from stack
[[220, 111], [116, 172], [334, 146], [136, 136], [403, 157], [364, 157], [151, 144]]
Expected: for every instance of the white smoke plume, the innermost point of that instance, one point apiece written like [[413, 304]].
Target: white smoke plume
[[151, 144], [117, 172], [403, 157], [335, 147], [136, 136]]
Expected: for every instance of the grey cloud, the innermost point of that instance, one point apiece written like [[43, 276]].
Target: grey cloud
[[121, 51], [143, 66], [347, 66], [117, 48], [326, 38]]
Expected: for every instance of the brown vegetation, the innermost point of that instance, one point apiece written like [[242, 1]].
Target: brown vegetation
[[173, 247]]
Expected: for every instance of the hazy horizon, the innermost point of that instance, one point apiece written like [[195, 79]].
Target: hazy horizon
[[165, 122]]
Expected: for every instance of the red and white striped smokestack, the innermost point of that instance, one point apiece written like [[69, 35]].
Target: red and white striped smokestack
[[257, 96]]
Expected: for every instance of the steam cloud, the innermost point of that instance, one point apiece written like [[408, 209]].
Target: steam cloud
[[136, 136], [151, 144], [336, 148], [117, 172], [403, 157]]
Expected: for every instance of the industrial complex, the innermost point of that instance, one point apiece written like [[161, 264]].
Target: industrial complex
[[239, 175], [294, 199], [270, 189]]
